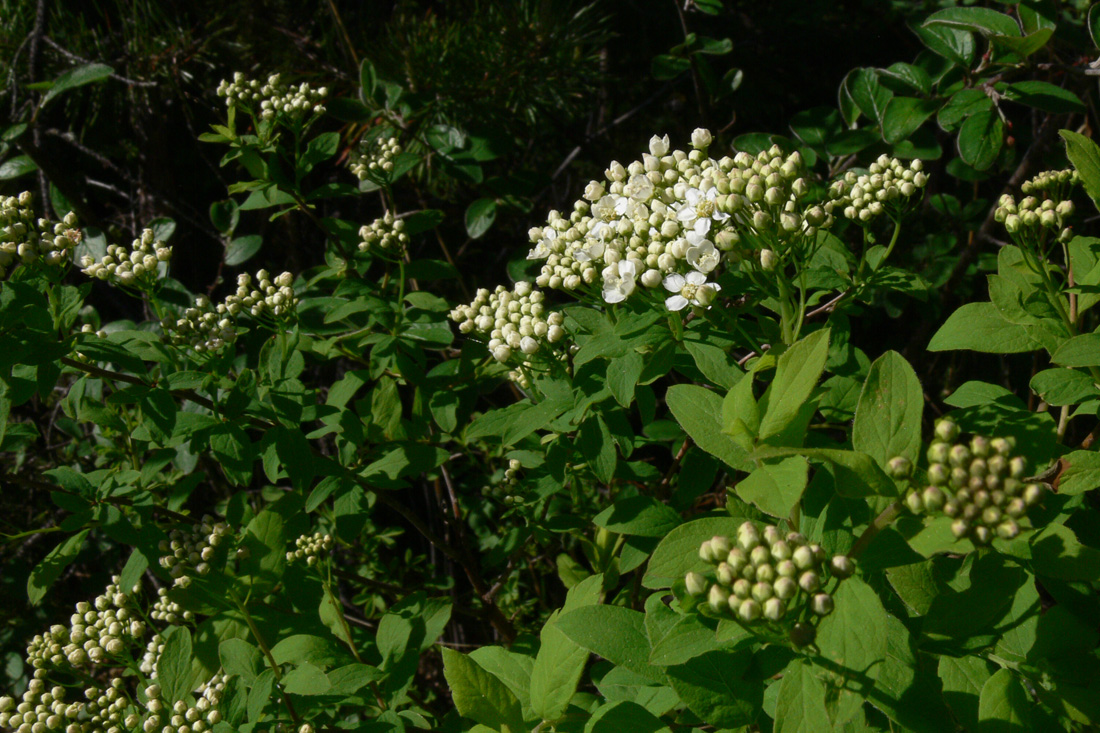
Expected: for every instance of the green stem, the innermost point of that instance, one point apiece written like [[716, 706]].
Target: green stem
[[266, 652]]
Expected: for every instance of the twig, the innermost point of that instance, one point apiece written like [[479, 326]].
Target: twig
[[881, 522]]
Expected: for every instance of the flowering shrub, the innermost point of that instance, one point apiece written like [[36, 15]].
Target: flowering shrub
[[663, 482]]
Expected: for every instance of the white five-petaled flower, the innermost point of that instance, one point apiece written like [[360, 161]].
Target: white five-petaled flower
[[592, 249], [545, 246], [703, 256], [691, 289], [618, 281], [639, 188], [697, 213]]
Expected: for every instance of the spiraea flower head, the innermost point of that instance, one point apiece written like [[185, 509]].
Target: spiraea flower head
[[386, 234], [274, 97], [514, 321], [190, 552], [888, 184], [311, 548], [374, 157], [26, 240], [136, 267]]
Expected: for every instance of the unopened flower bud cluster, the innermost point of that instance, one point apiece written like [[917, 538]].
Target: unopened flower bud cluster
[[185, 716], [136, 266], [980, 483], [167, 610], [513, 320], [311, 547], [273, 97], [764, 575], [1054, 183], [374, 158], [206, 327], [25, 240], [1032, 215], [189, 553], [511, 480], [862, 197], [153, 649], [386, 234]]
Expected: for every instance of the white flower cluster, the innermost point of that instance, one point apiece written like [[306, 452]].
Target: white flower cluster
[[196, 717], [273, 97], [513, 320], [45, 710], [204, 327], [311, 547], [208, 328], [374, 157], [25, 240], [1054, 182], [135, 266], [864, 197], [268, 297], [1031, 214], [189, 553], [96, 631], [386, 234], [167, 610], [671, 219], [152, 653]]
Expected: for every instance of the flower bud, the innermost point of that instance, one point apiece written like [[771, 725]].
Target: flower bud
[[822, 604], [842, 566], [933, 498], [960, 527], [768, 260], [696, 584], [749, 610], [747, 536], [802, 634], [700, 139], [938, 453], [718, 599], [803, 557], [1033, 493], [915, 503], [899, 467], [774, 608], [725, 574], [720, 547], [809, 581], [742, 589], [785, 588], [946, 431]]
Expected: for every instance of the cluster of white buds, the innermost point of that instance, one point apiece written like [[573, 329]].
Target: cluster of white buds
[[862, 197], [764, 575], [978, 482], [273, 97], [189, 553], [310, 547], [152, 653], [89, 328], [513, 320], [136, 266], [374, 157], [98, 632], [507, 486], [386, 234], [274, 297], [209, 328], [25, 240], [167, 610], [204, 327], [1031, 215], [1055, 183], [195, 716]]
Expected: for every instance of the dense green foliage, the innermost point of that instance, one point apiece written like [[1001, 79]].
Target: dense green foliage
[[768, 430]]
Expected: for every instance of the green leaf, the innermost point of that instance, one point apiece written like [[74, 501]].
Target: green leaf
[[642, 516], [857, 474], [131, 573], [715, 363], [239, 657], [624, 715], [320, 148], [300, 648], [854, 635], [598, 447], [678, 552], [1063, 386], [47, 572], [688, 638], [1094, 24], [963, 104], [979, 327], [719, 687], [622, 376], [560, 662], [904, 115], [980, 139], [241, 249], [225, 215], [908, 694], [868, 93], [953, 44], [888, 416], [174, 666], [1085, 156], [259, 694], [1045, 96], [480, 215], [913, 76], [796, 375], [980, 20], [666, 66], [617, 634], [1080, 473], [306, 679], [699, 412], [15, 167], [775, 487], [480, 696], [1079, 351], [1004, 706], [800, 704], [963, 679], [1056, 553], [77, 77]]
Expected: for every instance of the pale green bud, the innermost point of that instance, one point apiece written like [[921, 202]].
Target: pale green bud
[[696, 584], [822, 604]]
